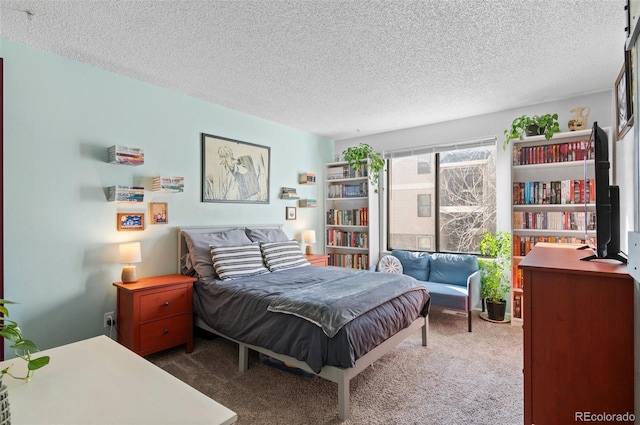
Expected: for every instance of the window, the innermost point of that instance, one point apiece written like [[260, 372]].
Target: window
[[424, 164], [424, 205], [463, 187]]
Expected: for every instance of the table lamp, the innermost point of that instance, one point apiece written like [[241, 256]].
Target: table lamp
[[130, 253], [309, 238]]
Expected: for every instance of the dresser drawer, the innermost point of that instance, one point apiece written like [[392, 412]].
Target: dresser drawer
[[163, 303], [163, 333]]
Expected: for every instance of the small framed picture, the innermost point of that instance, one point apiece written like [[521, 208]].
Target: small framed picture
[[291, 213], [130, 221], [158, 213]]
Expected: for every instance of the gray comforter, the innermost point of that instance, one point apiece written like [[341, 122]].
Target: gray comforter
[[239, 309], [333, 303]]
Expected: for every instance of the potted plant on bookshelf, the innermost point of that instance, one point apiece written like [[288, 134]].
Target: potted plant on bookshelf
[[495, 282], [546, 125], [356, 154]]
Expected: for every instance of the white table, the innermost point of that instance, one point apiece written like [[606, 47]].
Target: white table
[[98, 381]]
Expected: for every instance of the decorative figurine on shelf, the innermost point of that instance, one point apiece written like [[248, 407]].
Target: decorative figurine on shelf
[[579, 119]]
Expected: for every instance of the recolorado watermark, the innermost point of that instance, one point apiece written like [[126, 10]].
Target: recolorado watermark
[[604, 417]]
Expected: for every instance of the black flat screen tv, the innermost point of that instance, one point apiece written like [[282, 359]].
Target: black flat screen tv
[[607, 244]]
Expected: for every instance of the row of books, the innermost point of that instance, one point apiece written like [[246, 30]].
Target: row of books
[[554, 220], [168, 184], [119, 154], [307, 178], [125, 194], [289, 193], [554, 192], [349, 239], [517, 307], [555, 152], [516, 277], [356, 190], [523, 244], [307, 203], [352, 217], [354, 261], [346, 172]]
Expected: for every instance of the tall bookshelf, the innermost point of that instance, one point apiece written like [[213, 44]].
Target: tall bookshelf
[[351, 216], [553, 198]]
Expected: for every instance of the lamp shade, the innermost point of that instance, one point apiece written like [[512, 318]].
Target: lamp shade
[[310, 236], [130, 253]]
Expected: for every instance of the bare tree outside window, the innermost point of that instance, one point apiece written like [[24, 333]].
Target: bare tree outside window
[[466, 205]]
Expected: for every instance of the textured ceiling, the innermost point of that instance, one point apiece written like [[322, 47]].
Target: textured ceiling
[[341, 68]]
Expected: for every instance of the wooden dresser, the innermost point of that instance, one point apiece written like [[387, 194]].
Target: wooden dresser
[[155, 313], [578, 336]]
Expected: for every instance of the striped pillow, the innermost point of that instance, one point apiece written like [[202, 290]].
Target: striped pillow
[[232, 262], [283, 255]]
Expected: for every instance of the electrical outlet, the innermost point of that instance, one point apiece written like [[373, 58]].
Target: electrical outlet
[[109, 319]]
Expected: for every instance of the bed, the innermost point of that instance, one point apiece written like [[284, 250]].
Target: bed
[[269, 311]]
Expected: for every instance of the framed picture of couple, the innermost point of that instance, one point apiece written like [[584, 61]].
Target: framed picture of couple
[[234, 171]]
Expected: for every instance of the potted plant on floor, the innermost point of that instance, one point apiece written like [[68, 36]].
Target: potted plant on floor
[[495, 282], [375, 163], [546, 125]]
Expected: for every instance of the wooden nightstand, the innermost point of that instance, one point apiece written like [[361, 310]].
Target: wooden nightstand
[[155, 313], [321, 260]]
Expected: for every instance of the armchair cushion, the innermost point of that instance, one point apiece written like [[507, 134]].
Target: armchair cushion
[[414, 264], [453, 269]]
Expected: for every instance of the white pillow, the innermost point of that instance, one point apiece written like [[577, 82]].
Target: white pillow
[[283, 255], [390, 264], [232, 262]]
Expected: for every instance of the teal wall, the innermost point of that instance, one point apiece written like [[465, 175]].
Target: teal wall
[[61, 241]]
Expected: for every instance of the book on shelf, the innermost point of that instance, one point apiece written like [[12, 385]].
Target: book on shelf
[[119, 154], [354, 261], [289, 193], [554, 153], [348, 217], [573, 191], [522, 245], [307, 178], [346, 172], [344, 238], [554, 220], [307, 203], [355, 190], [125, 194], [168, 184], [517, 307]]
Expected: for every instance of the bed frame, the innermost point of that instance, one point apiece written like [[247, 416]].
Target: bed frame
[[340, 376]]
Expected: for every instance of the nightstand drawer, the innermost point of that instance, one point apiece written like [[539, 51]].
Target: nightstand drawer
[[163, 333], [155, 313], [163, 303]]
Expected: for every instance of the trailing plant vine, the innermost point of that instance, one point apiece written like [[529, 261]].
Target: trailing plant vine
[[356, 154], [23, 348], [546, 124]]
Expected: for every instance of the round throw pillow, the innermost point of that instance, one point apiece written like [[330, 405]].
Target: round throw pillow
[[389, 264]]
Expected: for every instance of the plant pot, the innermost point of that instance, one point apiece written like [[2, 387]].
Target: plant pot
[[534, 130], [496, 310]]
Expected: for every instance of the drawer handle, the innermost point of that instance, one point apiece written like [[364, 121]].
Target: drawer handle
[[166, 331], [166, 303]]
